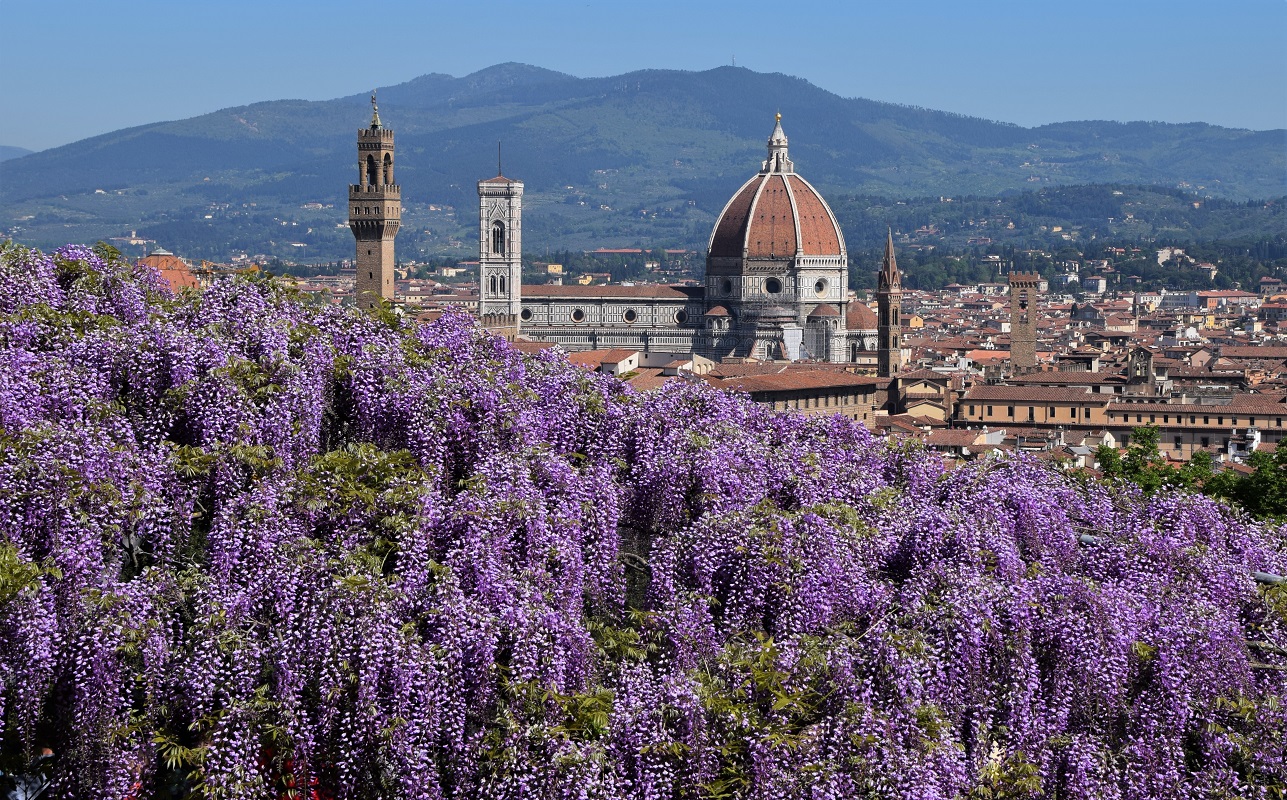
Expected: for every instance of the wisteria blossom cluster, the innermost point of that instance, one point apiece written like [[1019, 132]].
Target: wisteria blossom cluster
[[252, 546]]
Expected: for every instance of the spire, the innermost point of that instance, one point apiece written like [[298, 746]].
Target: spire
[[778, 160], [499, 171], [889, 277], [375, 113]]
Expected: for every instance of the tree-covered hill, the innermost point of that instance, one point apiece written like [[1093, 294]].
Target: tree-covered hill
[[651, 155], [255, 547]]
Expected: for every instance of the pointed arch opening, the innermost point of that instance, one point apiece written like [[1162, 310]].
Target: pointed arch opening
[[388, 169], [498, 237], [372, 171]]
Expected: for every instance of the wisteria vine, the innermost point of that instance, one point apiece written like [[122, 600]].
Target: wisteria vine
[[253, 546]]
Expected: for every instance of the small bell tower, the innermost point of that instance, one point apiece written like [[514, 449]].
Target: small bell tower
[[375, 212]]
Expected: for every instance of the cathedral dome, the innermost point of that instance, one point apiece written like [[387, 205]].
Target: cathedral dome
[[776, 214]]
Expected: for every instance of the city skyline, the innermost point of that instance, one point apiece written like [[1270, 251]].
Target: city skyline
[[1173, 62]]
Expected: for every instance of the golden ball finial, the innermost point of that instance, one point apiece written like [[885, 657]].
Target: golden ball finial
[[778, 116]]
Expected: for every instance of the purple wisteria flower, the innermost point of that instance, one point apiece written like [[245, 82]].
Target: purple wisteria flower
[[253, 547]]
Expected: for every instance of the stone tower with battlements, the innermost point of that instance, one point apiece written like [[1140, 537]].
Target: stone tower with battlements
[[1024, 293], [500, 253], [375, 212], [889, 306]]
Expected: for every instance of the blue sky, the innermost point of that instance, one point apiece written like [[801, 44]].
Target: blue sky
[[74, 68]]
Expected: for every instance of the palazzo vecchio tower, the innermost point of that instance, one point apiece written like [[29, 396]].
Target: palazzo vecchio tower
[[375, 212]]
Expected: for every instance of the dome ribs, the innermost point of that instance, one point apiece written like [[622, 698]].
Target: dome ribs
[[772, 230], [818, 231], [730, 233]]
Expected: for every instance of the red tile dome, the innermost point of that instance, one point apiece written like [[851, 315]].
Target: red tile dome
[[776, 214]]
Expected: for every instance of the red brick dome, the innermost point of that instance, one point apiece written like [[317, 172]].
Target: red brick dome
[[776, 214]]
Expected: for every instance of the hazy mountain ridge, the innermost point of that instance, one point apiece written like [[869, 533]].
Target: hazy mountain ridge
[[8, 151], [653, 153]]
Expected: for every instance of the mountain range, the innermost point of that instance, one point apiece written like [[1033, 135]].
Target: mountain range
[[7, 152], [644, 156]]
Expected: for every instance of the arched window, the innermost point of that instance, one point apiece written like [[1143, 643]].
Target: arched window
[[388, 168], [491, 284], [502, 284], [372, 171], [498, 237]]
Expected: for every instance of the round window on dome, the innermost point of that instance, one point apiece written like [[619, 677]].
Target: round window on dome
[[820, 287], [727, 286], [630, 315], [526, 314], [772, 285], [578, 315]]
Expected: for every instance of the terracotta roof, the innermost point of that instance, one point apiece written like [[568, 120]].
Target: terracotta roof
[[1069, 378], [531, 347], [499, 179], [1035, 393], [652, 292], [1262, 351], [771, 232], [761, 220], [730, 231], [824, 310], [717, 311], [922, 374], [952, 437], [900, 422], [858, 317], [818, 233], [801, 379], [616, 356], [648, 378], [173, 270], [1241, 410], [597, 358]]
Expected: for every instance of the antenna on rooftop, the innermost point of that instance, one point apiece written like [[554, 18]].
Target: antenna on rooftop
[[499, 172]]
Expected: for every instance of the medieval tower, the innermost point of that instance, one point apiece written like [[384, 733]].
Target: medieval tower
[[375, 212], [889, 304], [500, 253], [1024, 291]]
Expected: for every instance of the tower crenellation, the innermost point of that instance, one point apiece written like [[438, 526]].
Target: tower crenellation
[[375, 212], [1025, 289]]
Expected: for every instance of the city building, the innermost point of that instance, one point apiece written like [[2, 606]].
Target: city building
[[775, 288], [375, 212]]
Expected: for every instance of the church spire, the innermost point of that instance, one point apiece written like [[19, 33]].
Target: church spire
[[889, 277], [889, 309], [778, 160]]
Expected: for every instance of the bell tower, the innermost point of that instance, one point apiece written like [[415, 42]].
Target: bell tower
[[500, 252], [889, 307], [375, 212]]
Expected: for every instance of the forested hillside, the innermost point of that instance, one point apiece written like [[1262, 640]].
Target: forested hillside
[[252, 546], [648, 156]]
